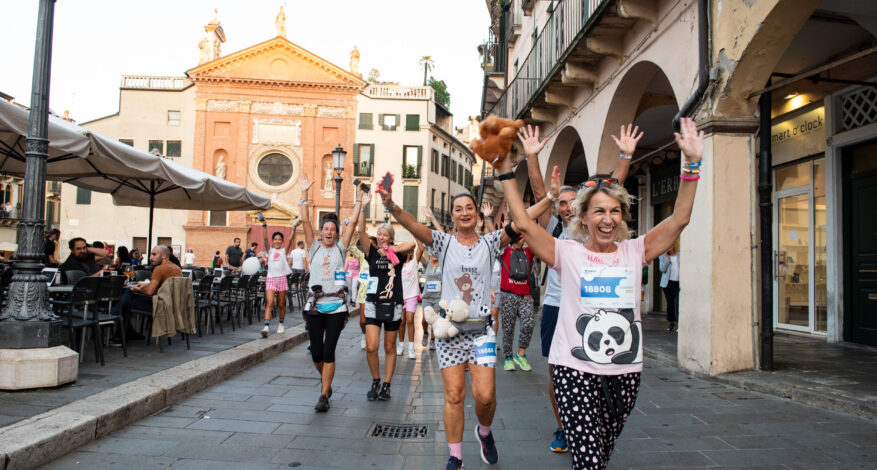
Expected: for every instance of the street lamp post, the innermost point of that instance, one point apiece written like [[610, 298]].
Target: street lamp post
[[28, 297], [338, 157]]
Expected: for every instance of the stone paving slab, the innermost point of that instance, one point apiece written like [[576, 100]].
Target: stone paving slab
[[680, 421]]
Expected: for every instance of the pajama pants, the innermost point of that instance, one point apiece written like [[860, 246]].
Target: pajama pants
[[593, 409], [512, 307]]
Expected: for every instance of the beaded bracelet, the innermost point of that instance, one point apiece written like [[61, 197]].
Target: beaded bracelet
[[625, 156], [689, 178], [693, 172], [389, 208]]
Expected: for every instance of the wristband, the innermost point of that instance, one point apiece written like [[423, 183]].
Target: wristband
[[689, 178], [511, 232], [551, 197], [363, 210], [303, 202], [625, 156], [489, 218], [693, 164], [506, 176], [389, 208]]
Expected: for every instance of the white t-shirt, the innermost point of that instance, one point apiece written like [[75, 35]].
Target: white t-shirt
[[552, 286], [277, 265], [188, 258], [466, 270], [298, 258], [410, 281]]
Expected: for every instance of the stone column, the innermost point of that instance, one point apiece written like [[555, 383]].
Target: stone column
[[716, 327]]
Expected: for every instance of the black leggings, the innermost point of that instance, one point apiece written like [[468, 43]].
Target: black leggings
[[672, 294], [323, 331], [593, 409]]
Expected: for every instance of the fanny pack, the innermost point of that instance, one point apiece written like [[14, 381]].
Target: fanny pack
[[473, 325], [385, 311], [329, 307], [312, 308]]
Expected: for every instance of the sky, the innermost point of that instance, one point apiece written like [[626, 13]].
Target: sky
[[97, 41]]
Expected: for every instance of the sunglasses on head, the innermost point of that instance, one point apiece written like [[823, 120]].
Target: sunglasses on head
[[598, 181]]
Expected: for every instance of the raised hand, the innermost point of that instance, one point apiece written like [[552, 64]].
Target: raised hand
[[295, 222], [556, 183], [530, 139], [487, 209], [689, 140], [366, 198], [427, 212], [630, 136], [386, 195], [304, 184]]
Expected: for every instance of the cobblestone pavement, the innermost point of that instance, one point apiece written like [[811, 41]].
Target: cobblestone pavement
[[263, 418]]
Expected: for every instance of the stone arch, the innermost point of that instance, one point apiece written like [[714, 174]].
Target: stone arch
[[645, 97], [567, 150]]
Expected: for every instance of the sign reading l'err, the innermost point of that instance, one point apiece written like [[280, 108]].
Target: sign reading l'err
[[799, 136]]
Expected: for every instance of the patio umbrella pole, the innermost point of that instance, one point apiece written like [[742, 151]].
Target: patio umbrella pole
[[151, 210]]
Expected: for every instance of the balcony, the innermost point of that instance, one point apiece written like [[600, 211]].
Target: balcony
[[493, 61], [399, 92], [145, 82], [577, 35], [512, 19]]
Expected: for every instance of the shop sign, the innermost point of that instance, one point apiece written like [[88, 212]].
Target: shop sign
[[799, 136], [665, 182]]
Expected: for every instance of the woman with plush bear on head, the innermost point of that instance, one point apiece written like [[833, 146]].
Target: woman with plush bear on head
[[596, 351]]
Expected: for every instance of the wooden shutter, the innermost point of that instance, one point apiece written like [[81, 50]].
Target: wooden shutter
[[409, 199], [356, 154], [412, 122], [419, 159], [371, 160], [365, 121]]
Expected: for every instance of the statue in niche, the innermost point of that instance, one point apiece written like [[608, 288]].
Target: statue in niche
[[280, 23], [354, 61], [327, 185], [220, 168]]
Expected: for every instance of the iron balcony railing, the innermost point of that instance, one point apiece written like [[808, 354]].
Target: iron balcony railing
[[559, 35]]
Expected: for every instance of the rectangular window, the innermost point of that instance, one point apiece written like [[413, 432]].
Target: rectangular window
[[412, 122], [173, 118], [365, 121], [432, 200], [454, 171], [409, 199], [434, 161], [174, 148], [443, 201], [363, 159], [127, 142], [156, 147], [411, 161], [389, 122], [218, 219], [140, 244], [83, 196], [445, 165]]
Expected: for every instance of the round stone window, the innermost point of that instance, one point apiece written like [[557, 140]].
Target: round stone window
[[275, 169]]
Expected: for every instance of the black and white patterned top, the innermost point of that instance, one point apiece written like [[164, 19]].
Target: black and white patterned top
[[466, 270]]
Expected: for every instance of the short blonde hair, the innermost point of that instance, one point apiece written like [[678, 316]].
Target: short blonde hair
[[579, 231], [389, 228]]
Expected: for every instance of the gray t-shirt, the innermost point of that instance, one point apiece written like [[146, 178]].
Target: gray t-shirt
[[552, 286], [466, 271], [327, 270]]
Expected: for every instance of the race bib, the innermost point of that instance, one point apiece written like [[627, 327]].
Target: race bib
[[372, 285], [608, 287], [485, 349], [433, 286], [340, 278]]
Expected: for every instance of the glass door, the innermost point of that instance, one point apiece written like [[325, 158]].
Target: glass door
[[792, 263]]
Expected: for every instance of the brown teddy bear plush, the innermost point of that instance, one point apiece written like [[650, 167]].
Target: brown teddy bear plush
[[497, 135]]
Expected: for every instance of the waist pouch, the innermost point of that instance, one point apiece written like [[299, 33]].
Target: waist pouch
[[311, 307], [385, 311]]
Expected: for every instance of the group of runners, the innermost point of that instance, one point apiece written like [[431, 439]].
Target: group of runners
[[590, 323]]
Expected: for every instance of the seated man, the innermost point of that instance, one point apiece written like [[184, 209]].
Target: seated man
[[140, 296], [82, 258]]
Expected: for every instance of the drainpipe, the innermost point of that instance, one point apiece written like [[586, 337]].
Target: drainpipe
[[766, 226], [703, 75]]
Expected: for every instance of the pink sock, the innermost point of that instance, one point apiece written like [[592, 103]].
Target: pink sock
[[456, 450], [483, 430]]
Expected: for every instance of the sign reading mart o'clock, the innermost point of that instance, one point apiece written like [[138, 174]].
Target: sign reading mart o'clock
[[800, 135]]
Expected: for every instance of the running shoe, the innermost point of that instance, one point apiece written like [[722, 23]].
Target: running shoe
[[509, 364], [362, 342], [372, 394], [521, 361], [265, 331], [488, 447], [411, 354], [454, 464], [322, 404], [384, 394], [400, 349], [559, 443], [280, 328], [425, 341]]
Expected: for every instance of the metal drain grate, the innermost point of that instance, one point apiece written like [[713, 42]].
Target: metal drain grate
[[399, 431]]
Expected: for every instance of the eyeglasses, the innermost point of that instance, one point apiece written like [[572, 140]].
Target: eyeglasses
[[598, 181]]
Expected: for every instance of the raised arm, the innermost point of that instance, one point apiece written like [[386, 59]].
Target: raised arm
[[630, 136], [540, 208], [348, 231], [364, 243], [540, 241], [532, 146], [407, 220], [291, 242], [661, 238], [432, 220], [487, 210], [418, 255], [265, 235], [305, 185]]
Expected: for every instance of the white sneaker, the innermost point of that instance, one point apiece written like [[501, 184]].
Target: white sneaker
[[362, 342], [280, 328], [265, 331], [411, 354], [400, 350]]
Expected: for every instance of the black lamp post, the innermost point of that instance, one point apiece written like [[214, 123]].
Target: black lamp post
[[28, 297], [338, 157]]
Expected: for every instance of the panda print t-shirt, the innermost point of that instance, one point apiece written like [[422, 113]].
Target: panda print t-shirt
[[599, 329], [467, 270]]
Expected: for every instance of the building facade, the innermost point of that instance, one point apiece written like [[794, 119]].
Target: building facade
[[581, 69]]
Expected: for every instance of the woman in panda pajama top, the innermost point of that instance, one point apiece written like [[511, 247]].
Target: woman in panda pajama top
[[597, 347]]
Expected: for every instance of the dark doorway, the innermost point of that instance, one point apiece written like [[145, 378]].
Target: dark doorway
[[860, 244]]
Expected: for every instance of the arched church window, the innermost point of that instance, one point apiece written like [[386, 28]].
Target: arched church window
[[275, 169]]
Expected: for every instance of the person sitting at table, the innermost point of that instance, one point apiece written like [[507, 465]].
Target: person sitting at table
[[122, 257], [136, 257], [139, 296], [82, 258]]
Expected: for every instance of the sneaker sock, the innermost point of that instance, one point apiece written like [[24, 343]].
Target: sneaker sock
[[483, 430], [456, 450], [267, 322], [281, 321]]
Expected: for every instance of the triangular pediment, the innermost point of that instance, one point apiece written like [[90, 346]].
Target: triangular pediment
[[276, 60]]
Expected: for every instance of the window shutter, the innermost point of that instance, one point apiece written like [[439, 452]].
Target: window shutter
[[365, 121], [83, 196], [409, 199], [419, 159], [398, 121], [356, 154], [412, 122], [381, 121], [371, 161]]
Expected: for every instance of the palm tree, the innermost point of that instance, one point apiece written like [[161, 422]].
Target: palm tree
[[427, 64]]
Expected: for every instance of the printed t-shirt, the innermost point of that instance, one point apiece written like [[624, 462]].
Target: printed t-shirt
[[327, 266], [410, 281], [277, 265], [298, 258], [599, 329], [508, 284], [389, 278], [466, 272], [552, 286]]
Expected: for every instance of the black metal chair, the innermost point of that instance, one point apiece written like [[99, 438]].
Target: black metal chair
[[142, 275], [109, 292], [222, 300], [78, 313], [203, 302], [73, 275], [239, 290]]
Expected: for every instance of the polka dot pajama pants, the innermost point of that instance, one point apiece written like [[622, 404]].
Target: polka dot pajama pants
[[593, 409], [513, 307]]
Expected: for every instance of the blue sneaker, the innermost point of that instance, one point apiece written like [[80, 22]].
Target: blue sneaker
[[559, 443], [488, 447], [454, 464]]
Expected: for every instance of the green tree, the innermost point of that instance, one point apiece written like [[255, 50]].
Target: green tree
[[442, 95], [427, 64]]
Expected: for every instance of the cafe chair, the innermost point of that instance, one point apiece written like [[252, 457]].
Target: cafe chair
[[110, 292], [78, 313], [173, 311], [204, 303], [73, 275]]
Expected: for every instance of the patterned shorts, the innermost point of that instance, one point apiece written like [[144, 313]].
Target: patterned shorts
[[277, 284], [457, 350]]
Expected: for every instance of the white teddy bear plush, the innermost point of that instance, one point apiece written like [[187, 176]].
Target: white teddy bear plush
[[456, 310]]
